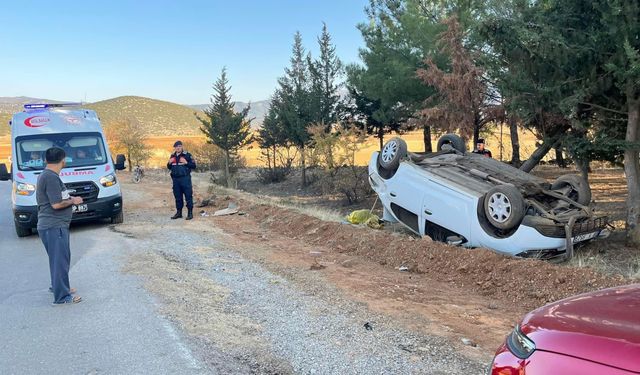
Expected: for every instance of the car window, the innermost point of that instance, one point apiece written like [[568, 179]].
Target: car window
[[82, 149]]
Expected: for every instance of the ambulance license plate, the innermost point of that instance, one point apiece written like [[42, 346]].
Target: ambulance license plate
[[79, 208]]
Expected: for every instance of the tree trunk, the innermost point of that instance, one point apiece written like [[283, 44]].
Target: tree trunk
[[226, 168], [304, 167], [539, 153], [560, 158], [426, 137], [632, 171], [583, 167], [129, 160], [275, 163], [476, 134], [381, 136], [515, 143]]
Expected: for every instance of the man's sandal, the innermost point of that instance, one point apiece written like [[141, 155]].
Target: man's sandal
[[69, 300]]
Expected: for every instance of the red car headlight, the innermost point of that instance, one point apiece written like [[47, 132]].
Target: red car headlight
[[519, 344]]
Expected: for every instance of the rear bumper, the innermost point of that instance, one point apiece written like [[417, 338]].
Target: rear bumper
[[558, 230], [102, 208]]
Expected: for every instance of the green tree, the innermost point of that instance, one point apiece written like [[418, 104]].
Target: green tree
[[399, 36], [294, 109], [272, 135], [389, 92], [224, 127], [325, 72], [571, 70], [618, 44], [530, 64], [367, 114]]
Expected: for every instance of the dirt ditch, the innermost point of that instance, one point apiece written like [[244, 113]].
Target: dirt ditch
[[525, 283]]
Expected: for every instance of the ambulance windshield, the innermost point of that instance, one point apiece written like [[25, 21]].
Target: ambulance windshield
[[82, 149]]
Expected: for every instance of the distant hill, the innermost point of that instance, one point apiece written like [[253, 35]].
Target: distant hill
[[11, 105], [157, 116], [258, 110], [160, 118]]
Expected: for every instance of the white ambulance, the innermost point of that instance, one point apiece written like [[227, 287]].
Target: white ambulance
[[89, 172]]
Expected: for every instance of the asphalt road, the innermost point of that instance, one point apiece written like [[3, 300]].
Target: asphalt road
[[115, 330]]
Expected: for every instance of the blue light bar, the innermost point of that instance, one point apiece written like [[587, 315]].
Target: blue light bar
[[50, 105]]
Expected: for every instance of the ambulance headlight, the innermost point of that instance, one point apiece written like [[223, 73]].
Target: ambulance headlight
[[108, 180], [23, 188]]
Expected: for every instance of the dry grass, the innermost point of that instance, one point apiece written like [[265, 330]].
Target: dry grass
[[321, 213], [593, 259], [4, 123]]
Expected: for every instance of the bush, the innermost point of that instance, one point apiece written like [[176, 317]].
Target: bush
[[273, 175], [334, 151], [352, 182]]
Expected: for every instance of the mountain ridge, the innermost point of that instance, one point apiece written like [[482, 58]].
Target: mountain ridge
[[159, 117], [257, 110]]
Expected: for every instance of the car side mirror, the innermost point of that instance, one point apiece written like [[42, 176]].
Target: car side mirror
[[119, 164], [4, 174]]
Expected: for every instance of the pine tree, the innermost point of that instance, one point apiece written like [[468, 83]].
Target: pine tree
[[325, 72], [368, 114], [224, 127], [295, 107], [272, 134]]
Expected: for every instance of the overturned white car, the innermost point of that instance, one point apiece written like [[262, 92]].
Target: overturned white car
[[467, 199]]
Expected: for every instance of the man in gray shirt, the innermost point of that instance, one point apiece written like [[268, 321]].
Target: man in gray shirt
[[54, 217]]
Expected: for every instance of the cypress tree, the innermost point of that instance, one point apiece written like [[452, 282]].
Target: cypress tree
[[295, 106], [224, 127]]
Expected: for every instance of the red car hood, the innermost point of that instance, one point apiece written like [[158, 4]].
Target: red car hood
[[602, 326]]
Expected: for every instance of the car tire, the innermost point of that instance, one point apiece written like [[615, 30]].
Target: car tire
[[580, 190], [392, 152], [504, 207], [118, 219], [452, 140], [22, 231]]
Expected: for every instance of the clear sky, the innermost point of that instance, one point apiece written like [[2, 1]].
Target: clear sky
[[170, 50]]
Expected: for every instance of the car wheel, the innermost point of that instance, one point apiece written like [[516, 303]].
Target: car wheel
[[573, 187], [504, 207], [22, 231], [118, 219], [452, 141], [391, 154]]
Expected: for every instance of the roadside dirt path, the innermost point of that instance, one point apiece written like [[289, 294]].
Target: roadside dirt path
[[253, 295]]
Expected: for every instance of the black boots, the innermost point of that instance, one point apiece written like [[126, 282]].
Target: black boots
[[178, 215]]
